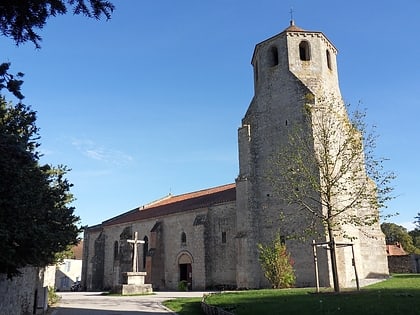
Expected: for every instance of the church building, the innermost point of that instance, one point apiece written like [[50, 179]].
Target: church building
[[209, 238]]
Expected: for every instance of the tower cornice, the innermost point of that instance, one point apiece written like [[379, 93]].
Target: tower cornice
[[294, 31]]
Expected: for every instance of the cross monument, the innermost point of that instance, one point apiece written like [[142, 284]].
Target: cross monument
[[135, 242]]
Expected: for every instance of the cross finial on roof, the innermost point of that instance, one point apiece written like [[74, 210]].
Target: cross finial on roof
[[292, 21]]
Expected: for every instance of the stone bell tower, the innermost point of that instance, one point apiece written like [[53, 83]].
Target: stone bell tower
[[287, 68]]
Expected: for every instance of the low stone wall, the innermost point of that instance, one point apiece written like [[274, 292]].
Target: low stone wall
[[22, 295], [404, 264], [212, 310]]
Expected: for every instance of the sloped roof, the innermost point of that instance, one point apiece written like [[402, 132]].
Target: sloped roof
[[293, 28], [395, 250], [78, 251], [176, 204]]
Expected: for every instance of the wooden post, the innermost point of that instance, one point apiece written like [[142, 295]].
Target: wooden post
[[316, 266], [355, 269]]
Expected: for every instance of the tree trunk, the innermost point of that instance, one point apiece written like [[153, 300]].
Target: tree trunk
[[333, 259]]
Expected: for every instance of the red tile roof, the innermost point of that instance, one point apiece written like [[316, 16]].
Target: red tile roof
[[176, 204], [395, 250]]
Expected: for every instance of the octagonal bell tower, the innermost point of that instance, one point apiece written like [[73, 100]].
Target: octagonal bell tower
[[288, 68]]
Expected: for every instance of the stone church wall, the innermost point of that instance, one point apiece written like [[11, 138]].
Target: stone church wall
[[103, 265], [192, 224], [119, 261], [89, 270], [220, 246]]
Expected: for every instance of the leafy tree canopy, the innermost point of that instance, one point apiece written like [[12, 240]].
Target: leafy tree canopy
[[415, 234], [35, 219], [332, 177], [417, 221], [398, 234], [20, 19]]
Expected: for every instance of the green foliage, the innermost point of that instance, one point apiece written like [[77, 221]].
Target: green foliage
[[53, 297], [20, 19], [183, 285], [65, 254], [415, 236], [329, 175], [36, 223], [332, 175], [35, 219], [417, 221], [277, 264], [9, 81], [398, 234], [399, 295]]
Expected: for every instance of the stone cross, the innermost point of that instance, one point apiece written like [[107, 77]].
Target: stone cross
[[135, 242]]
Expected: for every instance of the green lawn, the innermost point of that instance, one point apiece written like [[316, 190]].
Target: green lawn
[[398, 295]]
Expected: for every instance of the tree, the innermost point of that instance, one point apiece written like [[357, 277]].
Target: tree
[[398, 234], [36, 221], [329, 172], [415, 234], [417, 221], [19, 19], [277, 264], [11, 82]]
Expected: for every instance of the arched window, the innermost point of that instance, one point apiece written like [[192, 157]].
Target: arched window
[[273, 56], [116, 250], [145, 250], [304, 51], [183, 238], [328, 59]]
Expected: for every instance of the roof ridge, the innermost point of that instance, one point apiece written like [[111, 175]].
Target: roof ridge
[[147, 205], [193, 194], [175, 204]]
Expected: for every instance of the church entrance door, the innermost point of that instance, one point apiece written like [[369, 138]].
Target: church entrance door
[[185, 269], [185, 274]]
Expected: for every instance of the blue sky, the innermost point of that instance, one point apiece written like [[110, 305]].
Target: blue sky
[[149, 102]]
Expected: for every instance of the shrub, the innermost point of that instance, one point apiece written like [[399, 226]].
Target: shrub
[[53, 297], [277, 264], [183, 285]]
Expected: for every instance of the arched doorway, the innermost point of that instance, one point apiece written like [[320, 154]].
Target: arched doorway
[[185, 269]]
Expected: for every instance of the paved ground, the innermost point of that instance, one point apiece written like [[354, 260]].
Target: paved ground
[[93, 303]]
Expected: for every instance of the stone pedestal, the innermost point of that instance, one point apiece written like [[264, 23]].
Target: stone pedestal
[[133, 283]]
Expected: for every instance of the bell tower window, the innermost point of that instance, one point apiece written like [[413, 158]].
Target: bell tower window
[[304, 51], [328, 59], [273, 56]]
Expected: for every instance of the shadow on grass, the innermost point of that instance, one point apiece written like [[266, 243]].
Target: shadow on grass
[[399, 295], [185, 306]]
